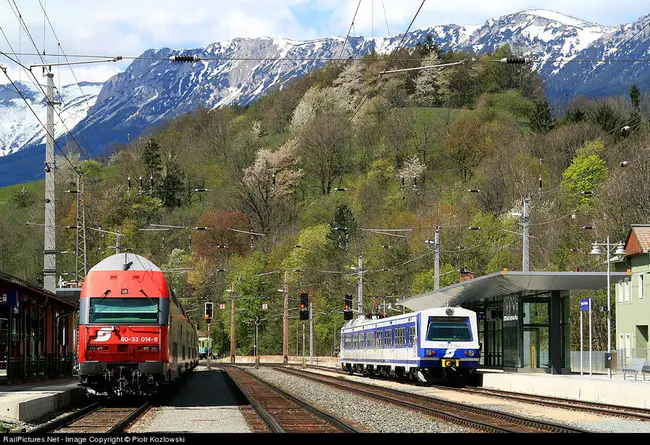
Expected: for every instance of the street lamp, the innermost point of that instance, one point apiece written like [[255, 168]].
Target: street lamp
[[620, 250]]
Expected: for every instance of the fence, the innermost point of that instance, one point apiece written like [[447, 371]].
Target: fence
[[598, 359]]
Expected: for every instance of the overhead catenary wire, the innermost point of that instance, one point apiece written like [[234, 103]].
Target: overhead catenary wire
[[20, 93], [349, 30], [29, 72], [40, 87], [60, 47]]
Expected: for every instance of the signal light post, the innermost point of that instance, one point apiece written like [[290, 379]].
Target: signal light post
[[347, 309], [304, 315], [208, 318]]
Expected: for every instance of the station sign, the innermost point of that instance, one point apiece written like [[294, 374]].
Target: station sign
[[9, 298], [584, 304]]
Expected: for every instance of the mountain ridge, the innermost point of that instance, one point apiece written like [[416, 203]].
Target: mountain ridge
[[241, 70]]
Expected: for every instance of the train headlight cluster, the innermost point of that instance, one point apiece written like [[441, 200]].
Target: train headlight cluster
[[428, 352], [471, 353]]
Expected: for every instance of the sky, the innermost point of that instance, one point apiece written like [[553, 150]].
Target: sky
[[130, 27]]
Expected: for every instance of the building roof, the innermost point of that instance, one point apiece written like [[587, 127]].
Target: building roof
[[638, 239], [35, 289], [507, 283]]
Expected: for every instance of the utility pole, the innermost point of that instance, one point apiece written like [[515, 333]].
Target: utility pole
[[118, 236], [49, 258], [81, 230], [311, 335], [526, 239], [257, 344], [303, 344], [436, 255], [285, 320], [360, 288], [209, 344], [232, 323]]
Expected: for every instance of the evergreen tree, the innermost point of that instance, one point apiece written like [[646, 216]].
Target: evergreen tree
[[173, 182], [542, 120], [635, 96], [152, 160], [343, 225]]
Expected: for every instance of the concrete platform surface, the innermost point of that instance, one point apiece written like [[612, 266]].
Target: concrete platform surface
[[597, 388], [27, 402]]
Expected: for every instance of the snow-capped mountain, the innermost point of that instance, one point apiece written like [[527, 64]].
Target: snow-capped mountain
[[21, 126], [628, 45], [153, 89], [552, 39]]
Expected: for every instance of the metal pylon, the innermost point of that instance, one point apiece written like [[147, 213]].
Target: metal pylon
[[81, 269]]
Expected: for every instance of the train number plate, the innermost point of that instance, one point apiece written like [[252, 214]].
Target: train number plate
[[137, 339]]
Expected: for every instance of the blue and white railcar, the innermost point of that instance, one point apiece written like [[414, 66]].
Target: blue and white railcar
[[437, 342]]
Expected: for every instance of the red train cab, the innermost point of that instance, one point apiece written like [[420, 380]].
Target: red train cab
[[133, 333]]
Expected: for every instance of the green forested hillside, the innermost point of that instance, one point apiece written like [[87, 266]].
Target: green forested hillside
[[314, 167]]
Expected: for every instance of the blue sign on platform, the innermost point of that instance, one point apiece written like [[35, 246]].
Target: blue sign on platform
[[584, 304], [8, 298]]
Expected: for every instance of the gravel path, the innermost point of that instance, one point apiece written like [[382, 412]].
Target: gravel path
[[204, 405]]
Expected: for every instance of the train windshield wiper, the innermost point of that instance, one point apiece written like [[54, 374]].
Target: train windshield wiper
[[150, 300]]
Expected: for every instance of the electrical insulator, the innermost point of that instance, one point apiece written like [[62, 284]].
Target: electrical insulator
[[184, 58], [304, 303], [515, 60]]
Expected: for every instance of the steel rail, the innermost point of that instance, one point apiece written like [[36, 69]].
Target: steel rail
[[392, 396]]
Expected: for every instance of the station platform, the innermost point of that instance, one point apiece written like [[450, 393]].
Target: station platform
[[597, 388], [29, 401]]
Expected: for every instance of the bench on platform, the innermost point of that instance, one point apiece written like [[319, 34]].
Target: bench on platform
[[635, 366]]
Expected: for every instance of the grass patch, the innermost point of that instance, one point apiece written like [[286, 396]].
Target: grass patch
[[7, 192]]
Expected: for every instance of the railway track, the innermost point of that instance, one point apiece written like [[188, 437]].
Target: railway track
[[282, 412], [557, 402], [109, 416], [553, 402], [95, 418], [469, 416]]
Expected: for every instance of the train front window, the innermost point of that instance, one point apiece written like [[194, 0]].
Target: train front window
[[123, 310], [449, 329]]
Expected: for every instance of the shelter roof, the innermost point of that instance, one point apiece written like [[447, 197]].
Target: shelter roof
[[34, 290], [508, 283]]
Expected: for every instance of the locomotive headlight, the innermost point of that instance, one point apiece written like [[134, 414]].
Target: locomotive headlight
[[471, 353], [428, 352]]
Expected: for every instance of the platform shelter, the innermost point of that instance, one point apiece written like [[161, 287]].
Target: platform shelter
[[523, 316], [36, 332]]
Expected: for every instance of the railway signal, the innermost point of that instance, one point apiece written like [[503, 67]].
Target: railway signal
[[304, 303], [347, 309], [208, 310]]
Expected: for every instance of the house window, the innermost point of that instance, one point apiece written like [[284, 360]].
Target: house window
[[628, 347], [641, 284], [627, 291], [621, 344], [619, 291]]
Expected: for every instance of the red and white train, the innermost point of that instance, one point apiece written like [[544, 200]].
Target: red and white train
[[133, 333]]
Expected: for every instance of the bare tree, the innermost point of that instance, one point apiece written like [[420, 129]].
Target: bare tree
[[268, 184], [325, 149]]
